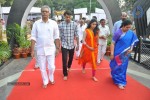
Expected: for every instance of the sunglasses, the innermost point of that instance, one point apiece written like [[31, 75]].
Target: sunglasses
[[45, 11]]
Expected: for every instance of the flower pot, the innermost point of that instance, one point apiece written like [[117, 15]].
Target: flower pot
[[29, 54], [107, 53], [24, 55], [16, 55]]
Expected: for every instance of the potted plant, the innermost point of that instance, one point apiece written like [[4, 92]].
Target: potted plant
[[23, 42], [20, 35], [25, 45], [108, 45], [11, 31], [16, 52]]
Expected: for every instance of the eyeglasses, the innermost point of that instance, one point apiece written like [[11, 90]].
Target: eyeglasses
[[45, 11]]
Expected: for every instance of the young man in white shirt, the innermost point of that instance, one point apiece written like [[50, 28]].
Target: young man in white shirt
[[45, 34], [104, 33]]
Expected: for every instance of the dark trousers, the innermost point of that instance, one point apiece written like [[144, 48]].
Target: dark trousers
[[67, 62]]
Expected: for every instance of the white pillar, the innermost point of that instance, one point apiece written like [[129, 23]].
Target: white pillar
[[24, 18], [107, 13]]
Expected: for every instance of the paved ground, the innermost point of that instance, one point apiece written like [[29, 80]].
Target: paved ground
[[11, 71]]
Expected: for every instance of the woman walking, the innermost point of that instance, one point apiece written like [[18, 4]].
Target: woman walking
[[122, 45], [89, 48]]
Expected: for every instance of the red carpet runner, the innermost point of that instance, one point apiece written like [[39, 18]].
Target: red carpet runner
[[78, 87]]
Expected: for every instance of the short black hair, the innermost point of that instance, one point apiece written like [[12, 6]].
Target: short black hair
[[94, 17], [102, 20], [83, 18], [125, 23], [67, 12], [96, 28]]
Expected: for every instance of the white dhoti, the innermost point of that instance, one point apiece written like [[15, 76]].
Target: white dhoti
[[50, 62], [101, 50], [45, 34]]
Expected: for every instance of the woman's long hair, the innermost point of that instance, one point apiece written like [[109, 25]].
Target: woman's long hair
[[125, 23], [96, 28]]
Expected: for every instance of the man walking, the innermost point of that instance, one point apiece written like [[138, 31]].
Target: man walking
[[45, 34], [118, 23], [68, 32], [104, 33]]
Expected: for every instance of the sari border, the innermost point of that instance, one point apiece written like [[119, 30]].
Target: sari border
[[130, 46]]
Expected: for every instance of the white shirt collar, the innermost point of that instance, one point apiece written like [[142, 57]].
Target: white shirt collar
[[102, 26], [44, 22]]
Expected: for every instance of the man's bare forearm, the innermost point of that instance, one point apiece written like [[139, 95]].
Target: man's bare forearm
[[57, 43], [32, 45], [112, 48]]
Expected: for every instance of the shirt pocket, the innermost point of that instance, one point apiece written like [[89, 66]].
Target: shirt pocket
[[50, 32]]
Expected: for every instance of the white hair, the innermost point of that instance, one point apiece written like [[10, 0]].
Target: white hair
[[123, 14], [45, 6]]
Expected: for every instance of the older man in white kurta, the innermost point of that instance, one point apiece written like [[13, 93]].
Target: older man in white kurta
[[104, 33], [44, 33]]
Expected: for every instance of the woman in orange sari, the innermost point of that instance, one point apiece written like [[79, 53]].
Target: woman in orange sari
[[89, 48]]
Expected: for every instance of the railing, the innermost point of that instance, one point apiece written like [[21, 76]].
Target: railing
[[141, 53]]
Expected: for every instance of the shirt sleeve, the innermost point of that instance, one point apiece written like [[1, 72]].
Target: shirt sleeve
[[60, 29], [34, 32], [56, 31], [76, 30]]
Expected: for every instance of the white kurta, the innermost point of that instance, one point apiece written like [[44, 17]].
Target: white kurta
[[104, 31], [80, 32], [45, 34]]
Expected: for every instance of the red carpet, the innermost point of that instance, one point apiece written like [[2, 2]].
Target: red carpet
[[78, 87]]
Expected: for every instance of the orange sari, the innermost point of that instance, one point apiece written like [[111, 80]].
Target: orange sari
[[86, 55]]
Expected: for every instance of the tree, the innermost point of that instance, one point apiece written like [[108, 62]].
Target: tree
[[2, 1], [7, 3], [126, 5], [86, 4], [69, 4]]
